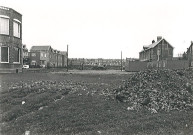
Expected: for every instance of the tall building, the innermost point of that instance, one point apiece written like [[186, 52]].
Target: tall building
[[10, 40]]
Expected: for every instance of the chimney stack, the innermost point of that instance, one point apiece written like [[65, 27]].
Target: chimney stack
[[159, 38]]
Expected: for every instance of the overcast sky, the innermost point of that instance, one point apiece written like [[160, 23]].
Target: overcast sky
[[104, 28]]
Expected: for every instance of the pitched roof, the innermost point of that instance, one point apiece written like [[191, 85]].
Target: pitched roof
[[40, 48], [188, 49], [154, 44], [63, 52]]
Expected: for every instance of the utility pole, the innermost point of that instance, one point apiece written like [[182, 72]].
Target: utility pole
[[121, 62], [67, 58]]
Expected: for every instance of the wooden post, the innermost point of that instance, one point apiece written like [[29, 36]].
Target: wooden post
[[67, 58], [121, 62]]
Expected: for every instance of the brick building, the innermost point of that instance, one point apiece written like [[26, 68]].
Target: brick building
[[190, 55], [159, 50], [46, 56], [10, 40], [25, 55], [158, 55]]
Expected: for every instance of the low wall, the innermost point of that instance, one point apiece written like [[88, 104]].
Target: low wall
[[177, 64], [169, 64], [9, 70], [132, 66]]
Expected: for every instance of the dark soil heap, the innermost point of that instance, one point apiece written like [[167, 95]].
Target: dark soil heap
[[158, 90]]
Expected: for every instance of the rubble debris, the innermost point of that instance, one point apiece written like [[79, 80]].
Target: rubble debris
[[130, 108], [27, 132], [41, 108], [23, 102], [158, 90]]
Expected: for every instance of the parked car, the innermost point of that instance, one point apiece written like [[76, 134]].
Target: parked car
[[26, 66], [42, 66]]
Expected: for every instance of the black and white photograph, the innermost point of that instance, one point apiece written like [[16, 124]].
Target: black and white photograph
[[96, 67]]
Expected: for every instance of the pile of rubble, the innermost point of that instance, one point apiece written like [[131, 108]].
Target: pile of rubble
[[157, 90]]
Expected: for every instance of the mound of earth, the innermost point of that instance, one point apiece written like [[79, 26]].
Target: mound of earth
[[158, 90]]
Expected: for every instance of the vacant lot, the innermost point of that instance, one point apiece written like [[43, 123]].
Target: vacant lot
[[77, 103]]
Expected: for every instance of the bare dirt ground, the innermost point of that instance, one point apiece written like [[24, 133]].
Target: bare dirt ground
[[59, 103], [117, 72]]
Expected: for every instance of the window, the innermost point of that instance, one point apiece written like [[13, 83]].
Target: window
[[4, 56], [42, 62], [25, 54], [4, 25], [33, 62], [170, 51], [42, 54], [17, 28], [16, 54], [164, 64], [33, 54]]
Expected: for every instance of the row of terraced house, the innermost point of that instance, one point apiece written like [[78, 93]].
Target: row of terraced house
[[93, 63], [46, 56], [96, 61]]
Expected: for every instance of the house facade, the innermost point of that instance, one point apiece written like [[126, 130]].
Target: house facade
[[190, 55], [10, 40], [46, 56], [158, 55], [159, 50], [25, 55]]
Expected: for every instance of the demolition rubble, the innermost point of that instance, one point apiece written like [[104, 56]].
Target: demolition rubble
[[158, 90]]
